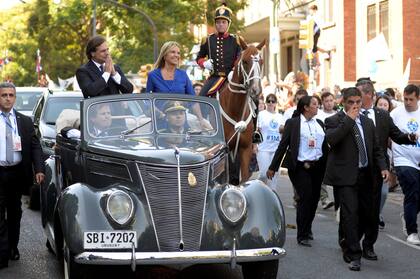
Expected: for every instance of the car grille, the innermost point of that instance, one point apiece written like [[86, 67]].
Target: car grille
[[161, 186]]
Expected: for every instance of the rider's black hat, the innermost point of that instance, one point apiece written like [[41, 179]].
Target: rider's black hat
[[223, 12]]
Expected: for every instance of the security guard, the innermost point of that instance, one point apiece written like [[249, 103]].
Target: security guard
[[219, 51]]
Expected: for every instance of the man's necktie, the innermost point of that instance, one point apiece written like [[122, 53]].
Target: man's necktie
[[9, 138], [360, 146], [365, 113], [101, 67]]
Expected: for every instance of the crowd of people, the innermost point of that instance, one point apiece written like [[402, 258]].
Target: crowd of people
[[358, 132]]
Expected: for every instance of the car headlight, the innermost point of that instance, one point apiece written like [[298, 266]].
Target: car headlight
[[233, 205], [120, 207]]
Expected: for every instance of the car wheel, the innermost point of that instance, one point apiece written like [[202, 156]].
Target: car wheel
[[261, 270], [50, 249], [34, 197], [72, 270]]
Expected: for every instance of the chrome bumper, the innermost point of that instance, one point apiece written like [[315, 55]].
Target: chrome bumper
[[175, 258]]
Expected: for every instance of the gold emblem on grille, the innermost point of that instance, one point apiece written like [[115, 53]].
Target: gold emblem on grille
[[192, 181]]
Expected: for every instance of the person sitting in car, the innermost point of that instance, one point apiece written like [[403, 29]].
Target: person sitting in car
[[176, 118], [99, 122]]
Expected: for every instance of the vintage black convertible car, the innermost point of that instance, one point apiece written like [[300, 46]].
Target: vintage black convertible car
[[146, 183]]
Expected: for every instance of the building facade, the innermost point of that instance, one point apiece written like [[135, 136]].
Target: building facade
[[375, 38]]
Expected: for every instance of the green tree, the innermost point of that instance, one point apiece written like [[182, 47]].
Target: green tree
[[62, 30]]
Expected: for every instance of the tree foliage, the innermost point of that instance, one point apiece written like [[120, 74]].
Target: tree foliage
[[62, 30]]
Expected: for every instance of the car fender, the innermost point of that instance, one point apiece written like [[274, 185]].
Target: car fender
[[82, 208], [264, 223]]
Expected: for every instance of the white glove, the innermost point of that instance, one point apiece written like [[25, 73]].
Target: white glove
[[208, 64]]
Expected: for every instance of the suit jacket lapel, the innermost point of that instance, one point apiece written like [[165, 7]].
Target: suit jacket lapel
[[19, 124], [93, 67]]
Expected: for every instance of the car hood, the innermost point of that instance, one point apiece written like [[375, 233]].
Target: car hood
[[160, 150]]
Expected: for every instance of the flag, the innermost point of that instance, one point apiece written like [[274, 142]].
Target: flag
[[38, 68]]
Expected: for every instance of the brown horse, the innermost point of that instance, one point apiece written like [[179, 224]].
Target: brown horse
[[237, 106]]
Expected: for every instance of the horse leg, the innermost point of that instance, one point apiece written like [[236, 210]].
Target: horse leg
[[234, 167], [245, 155]]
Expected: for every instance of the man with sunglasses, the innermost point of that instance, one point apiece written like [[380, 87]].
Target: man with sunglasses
[[384, 128], [20, 153]]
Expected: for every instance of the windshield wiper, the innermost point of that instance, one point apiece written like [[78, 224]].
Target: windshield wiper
[[129, 131]]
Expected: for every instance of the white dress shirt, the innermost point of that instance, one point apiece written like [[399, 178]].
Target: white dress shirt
[[106, 75], [310, 130], [17, 156], [371, 114]]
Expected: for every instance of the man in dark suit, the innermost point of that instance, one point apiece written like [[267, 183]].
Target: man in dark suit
[[385, 129], [354, 155], [100, 76], [20, 154]]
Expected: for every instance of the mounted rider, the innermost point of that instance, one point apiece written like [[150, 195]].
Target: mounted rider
[[219, 51]]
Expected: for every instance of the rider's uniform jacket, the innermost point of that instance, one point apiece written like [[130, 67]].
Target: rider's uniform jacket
[[224, 49]]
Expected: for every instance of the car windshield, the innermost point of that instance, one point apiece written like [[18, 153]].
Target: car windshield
[[56, 105], [142, 117], [26, 100]]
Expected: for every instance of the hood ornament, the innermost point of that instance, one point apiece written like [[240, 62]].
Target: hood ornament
[[192, 181]]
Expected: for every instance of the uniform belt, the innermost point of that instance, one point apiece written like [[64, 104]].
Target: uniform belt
[[220, 74]]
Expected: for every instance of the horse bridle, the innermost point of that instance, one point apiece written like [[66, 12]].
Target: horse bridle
[[254, 73]]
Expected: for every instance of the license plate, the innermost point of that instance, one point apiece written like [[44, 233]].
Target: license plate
[[110, 239]]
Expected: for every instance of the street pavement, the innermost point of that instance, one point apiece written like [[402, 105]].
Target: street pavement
[[396, 258]]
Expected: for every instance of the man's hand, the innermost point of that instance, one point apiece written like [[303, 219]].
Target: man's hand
[[270, 174], [413, 137], [208, 64], [385, 175], [39, 178], [353, 112], [109, 65]]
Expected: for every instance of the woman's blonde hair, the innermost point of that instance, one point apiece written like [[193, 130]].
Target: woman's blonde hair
[[160, 62]]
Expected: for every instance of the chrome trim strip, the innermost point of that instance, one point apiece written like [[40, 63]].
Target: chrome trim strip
[[178, 168], [146, 258], [171, 166], [205, 202], [148, 205]]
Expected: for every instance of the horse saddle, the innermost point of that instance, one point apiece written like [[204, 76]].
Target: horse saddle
[[216, 86]]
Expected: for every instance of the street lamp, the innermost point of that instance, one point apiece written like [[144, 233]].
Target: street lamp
[[125, 6]]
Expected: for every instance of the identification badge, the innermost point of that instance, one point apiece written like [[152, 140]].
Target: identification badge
[[17, 144], [311, 142]]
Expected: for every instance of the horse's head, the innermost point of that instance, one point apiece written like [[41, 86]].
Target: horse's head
[[250, 67]]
